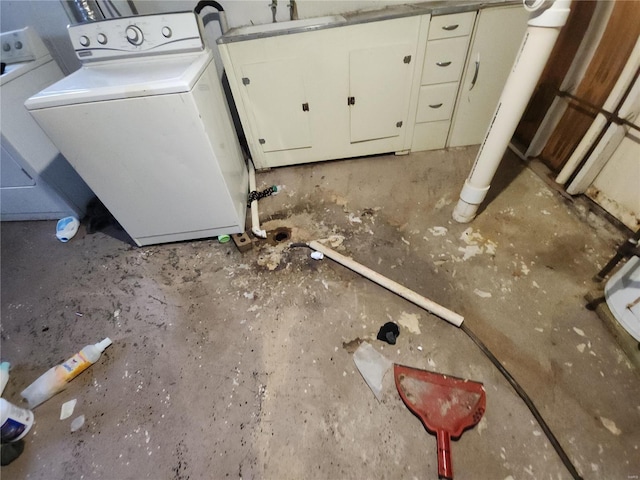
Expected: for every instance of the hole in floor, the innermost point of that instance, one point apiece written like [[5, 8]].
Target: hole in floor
[[279, 235]]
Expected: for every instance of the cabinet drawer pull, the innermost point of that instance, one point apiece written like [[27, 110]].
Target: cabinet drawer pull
[[475, 74], [435, 106], [448, 28], [443, 64]]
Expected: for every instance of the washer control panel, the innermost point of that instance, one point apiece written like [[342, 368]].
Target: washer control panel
[[21, 45], [136, 36]]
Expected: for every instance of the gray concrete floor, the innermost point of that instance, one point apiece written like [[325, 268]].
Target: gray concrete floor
[[231, 365]]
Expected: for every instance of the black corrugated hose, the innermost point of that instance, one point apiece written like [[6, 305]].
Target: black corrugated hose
[[525, 398]]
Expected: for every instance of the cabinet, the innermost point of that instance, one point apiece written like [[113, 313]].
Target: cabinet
[[325, 94], [391, 85], [378, 100], [498, 34], [445, 55], [279, 104]]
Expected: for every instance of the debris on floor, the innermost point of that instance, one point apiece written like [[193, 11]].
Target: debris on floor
[[372, 365], [77, 423], [389, 332], [66, 228], [67, 408], [202, 328]]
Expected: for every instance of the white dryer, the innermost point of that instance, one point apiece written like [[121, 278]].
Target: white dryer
[[145, 123], [36, 181]]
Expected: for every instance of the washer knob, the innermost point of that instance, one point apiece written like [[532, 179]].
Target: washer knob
[[6, 46], [84, 41], [134, 35], [166, 32], [18, 45], [102, 39]]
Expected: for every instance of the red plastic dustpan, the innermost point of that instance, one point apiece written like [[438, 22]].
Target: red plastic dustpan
[[447, 406]]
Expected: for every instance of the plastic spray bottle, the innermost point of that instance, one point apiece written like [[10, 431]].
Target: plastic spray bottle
[[4, 375], [56, 378]]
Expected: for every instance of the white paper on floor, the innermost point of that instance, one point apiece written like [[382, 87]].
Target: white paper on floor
[[372, 366], [67, 409], [77, 423]]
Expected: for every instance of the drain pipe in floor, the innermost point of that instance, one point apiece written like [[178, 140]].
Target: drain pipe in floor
[[545, 23], [255, 218]]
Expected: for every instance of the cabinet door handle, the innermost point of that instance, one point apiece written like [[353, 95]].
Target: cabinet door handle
[[435, 106], [475, 74], [443, 64], [448, 28]]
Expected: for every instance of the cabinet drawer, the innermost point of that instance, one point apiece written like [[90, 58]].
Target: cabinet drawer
[[436, 102], [454, 25], [444, 60], [430, 136]]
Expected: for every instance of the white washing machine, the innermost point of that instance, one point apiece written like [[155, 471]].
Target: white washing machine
[[36, 181], [145, 123]]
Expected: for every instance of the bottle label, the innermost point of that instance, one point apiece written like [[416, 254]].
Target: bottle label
[[11, 430], [75, 365]]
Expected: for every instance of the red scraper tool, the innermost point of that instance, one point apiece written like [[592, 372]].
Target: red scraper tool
[[447, 406]]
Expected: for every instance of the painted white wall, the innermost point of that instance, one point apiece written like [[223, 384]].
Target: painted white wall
[[616, 187], [248, 12]]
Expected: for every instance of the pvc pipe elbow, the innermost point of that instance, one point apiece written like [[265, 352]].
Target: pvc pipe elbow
[[547, 13], [259, 233]]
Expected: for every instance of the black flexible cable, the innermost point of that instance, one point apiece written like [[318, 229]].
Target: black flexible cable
[[299, 244], [525, 398]]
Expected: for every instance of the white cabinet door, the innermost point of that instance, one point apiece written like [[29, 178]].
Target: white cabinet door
[[379, 88], [279, 104], [497, 38]]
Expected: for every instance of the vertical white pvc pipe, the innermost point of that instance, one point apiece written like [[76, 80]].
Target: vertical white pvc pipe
[[532, 57], [255, 217]]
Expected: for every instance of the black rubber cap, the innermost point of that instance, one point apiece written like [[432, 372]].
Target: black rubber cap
[[388, 333]]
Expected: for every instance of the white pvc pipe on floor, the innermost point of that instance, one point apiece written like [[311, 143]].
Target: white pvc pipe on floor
[[423, 302], [543, 28], [255, 218]]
